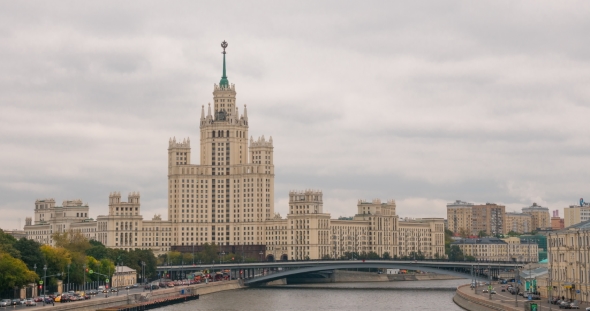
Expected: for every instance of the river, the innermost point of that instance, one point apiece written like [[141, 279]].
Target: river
[[407, 295]]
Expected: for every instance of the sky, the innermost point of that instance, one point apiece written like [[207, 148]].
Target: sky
[[424, 102]]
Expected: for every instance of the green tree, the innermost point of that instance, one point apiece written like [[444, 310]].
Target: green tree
[[56, 259], [456, 254], [97, 250], [71, 240], [7, 243], [481, 234], [372, 255], [14, 272], [30, 252], [386, 255]]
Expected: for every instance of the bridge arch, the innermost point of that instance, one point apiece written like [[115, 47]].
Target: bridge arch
[[350, 265]]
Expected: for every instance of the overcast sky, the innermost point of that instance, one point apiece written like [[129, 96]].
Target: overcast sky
[[424, 102]]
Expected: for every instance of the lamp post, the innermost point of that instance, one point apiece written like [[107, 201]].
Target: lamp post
[[68, 287], [84, 272], [44, 283]]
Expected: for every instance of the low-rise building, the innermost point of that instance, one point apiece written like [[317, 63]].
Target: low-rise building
[[123, 276], [494, 249]]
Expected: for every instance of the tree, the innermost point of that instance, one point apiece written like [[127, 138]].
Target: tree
[[7, 243], [97, 250], [30, 253], [56, 258], [456, 254], [14, 272], [326, 257], [481, 234], [71, 240], [464, 233], [373, 256], [386, 255]]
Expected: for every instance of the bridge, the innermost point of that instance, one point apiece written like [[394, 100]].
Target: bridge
[[262, 272]]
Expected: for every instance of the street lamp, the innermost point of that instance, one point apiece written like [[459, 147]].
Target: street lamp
[[44, 283], [84, 272], [68, 277]]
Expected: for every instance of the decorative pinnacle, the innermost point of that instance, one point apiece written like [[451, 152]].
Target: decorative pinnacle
[[224, 46], [224, 83]]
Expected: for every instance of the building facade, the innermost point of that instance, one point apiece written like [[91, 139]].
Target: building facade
[[494, 249], [227, 198], [489, 218], [569, 258], [575, 214], [540, 216], [459, 217], [518, 222]]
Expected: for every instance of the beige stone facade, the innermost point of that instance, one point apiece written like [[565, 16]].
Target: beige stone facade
[[493, 249], [459, 216], [227, 198], [568, 252], [540, 216], [575, 214], [123, 276], [489, 218], [518, 222]]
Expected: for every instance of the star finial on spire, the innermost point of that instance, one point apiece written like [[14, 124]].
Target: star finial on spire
[[224, 46]]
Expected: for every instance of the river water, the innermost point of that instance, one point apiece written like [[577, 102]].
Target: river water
[[408, 295]]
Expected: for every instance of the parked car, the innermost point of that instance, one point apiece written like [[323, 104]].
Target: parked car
[[5, 303], [30, 302], [114, 290], [135, 285], [15, 302], [155, 287], [493, 292]]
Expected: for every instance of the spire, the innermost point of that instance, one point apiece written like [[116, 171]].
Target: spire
[[245, 113], [223, 83], [202, 112], [209, 110]]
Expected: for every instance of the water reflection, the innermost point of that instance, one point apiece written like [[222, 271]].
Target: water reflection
[[414, 295]]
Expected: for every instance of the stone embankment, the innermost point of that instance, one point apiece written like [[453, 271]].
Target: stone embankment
[[97, 303], [466, 299]]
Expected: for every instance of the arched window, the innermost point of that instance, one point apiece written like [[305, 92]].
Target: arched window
[[213, 134], [228, 133]]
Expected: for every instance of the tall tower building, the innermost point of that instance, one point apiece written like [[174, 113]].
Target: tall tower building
[[227, 196]]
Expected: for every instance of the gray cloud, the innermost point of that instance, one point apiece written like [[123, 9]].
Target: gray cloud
[[424, 102]]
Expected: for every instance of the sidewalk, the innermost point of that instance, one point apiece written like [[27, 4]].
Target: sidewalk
[[505, 300]]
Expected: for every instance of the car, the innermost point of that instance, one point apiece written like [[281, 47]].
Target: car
[[106, 290], [135, 285], [5, 303], [38, 299], [155, 287], [485, 291], [114, 290], [30, 302], [493, 292], [15, 302]]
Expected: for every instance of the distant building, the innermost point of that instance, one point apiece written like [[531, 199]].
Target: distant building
[[518, 222], [489, 218], [575, 214], [557, 223], [459, 216], [17, 234], [540, 216], [494, 249]]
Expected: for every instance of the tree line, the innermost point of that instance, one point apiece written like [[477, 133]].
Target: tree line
[[73, 256]]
